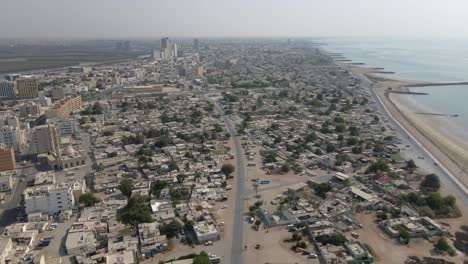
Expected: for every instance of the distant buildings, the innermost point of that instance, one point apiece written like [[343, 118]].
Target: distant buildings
[[57, 93], [80, 69], [168, 49], [27, 88], [196, 44], [7, 158], [199, 71], [7, 90]]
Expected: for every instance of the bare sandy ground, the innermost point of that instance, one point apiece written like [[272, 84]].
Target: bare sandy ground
[[389, 250]]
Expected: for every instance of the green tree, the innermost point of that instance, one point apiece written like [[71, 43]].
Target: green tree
[[322, 189], [431, 183], [411, 165], [203, 258], [137, 211], [404, 234], [171, 229], [352, 141], [379, 165], [157, 187], [126, 187], [442, 245], [227, 169], [330, 148], [301, 244], [88, 199], [336, 239], [296, 236], [450, 200], [285, 168]]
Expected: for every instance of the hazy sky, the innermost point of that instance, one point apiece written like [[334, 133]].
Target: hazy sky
[[203, 18]]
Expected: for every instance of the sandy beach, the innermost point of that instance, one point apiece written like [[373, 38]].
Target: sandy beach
[[431, 132]]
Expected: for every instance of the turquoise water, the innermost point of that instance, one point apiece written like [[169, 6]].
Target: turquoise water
[[423, 59]]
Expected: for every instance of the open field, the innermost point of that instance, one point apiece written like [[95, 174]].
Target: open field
[[24, 57]]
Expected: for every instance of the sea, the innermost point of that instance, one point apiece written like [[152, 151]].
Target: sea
[[434, 60]]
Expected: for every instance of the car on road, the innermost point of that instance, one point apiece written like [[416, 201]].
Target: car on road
[[355, 235], [313, 255], [208, 243]]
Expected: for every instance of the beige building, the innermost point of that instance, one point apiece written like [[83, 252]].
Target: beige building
[[200, 71], [65, 107], [27, 88], [45, 139], [7, 158], [6, 247], [6, 181]]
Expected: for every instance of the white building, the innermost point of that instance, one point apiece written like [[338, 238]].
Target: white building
[[206, 231], [49, 198], [6, 181], [13, 136]]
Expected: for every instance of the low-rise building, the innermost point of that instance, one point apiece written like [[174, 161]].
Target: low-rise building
[[151, 241], [205, 231], [6, 181]]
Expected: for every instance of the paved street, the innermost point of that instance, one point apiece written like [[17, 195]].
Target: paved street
[[237, 240], [8, 211]]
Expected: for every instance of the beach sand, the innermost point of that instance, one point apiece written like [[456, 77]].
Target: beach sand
[[431, 132]]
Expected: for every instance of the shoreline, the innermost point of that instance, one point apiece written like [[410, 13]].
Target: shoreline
[[448, 148]]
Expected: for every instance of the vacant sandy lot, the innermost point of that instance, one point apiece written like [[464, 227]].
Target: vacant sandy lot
[[272, 248], [389, 250]]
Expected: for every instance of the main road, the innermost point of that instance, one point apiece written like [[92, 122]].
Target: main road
[[450, 181], [237, 240]]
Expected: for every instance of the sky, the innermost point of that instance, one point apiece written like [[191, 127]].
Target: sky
[[101, 19]]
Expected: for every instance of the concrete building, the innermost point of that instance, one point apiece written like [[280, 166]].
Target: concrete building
[[81, 242], [7, 158], [6, 247], [199, 71], [151, 241], [48, 199], [45, 139], [7, 90], [196, 44], [57, 93], [6, 181], [205, 231], [27, 88], [80, 69], [65, 107], [165, 42], [31, 109], [13, 136], [66, 127], [168, 49]]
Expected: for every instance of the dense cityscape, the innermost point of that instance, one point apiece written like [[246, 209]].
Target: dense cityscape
[[217, 151]]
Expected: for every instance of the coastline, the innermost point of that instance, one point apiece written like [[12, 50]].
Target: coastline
[[449, 149]]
